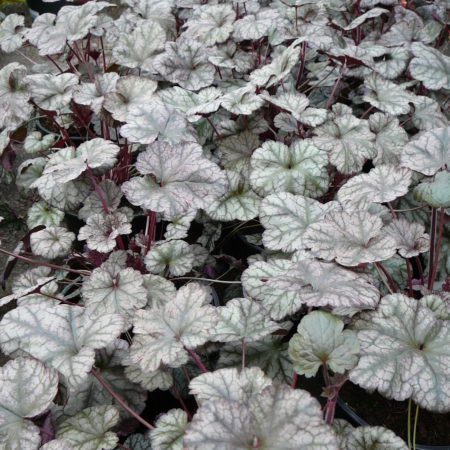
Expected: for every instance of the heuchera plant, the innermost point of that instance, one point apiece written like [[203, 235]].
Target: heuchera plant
[[157, 130]]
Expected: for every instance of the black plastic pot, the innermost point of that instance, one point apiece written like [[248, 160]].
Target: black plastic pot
[[355, 419]]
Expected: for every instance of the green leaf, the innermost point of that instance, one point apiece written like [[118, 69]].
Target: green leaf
[[320, 339]]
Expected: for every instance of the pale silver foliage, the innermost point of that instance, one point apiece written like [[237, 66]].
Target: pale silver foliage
[[129, 91], [321, 339], [430, 66], [319, 283], [373, 438], [264, 420], [51, 92], [410, 238], [174, 257], [163, 335], [350, 238], [400, 356], [211, 24], [229, 384], [240, 202], [11, 32], [67, 342], [177, 178], [185, 62], [27, 389], [111, 289], [382, 184], [428, 151], [299, 169], [145, 122], [14, 96], [286, 217], [101, 231], [52, 242], [347, 139], [88, 430], [169, 431], [139, 48], [36, 143], [242, 319]]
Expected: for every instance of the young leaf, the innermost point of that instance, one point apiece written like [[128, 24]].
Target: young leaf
[[89, 429], [27, 389], [239, 203], [286, 217], [351, 238], [181, 179], [264, 421], [36, 143], [430, 66], [382, 184], [321, 339], [347, 139], [428, 151], [112, 289], [229, 384], [299, 169], [169, 431], [161, 335], [178, 227], [435, 193], [176, 256], [410, 238], [404, 352], [101, 231], [51, 242], [42, 214], [67, 342], [242, 319]]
